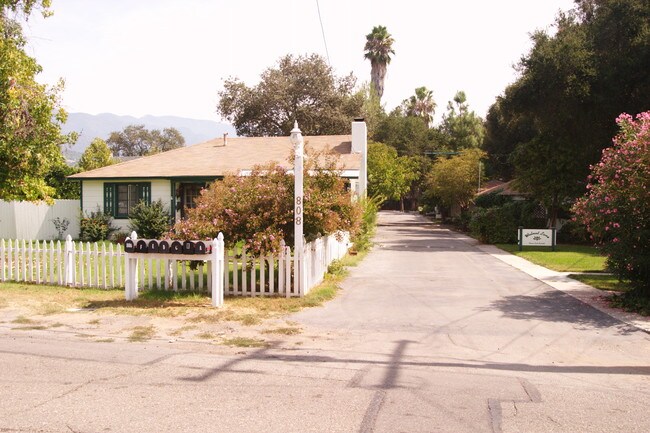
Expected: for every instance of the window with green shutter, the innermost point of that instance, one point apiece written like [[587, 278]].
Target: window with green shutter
[[120, 198]]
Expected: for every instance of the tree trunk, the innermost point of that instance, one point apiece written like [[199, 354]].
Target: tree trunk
[[377, 76]]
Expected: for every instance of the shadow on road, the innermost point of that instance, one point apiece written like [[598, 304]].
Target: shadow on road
[[397, 361], [555, 306]]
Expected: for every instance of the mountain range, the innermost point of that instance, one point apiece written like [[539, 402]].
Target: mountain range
[[90, 126]]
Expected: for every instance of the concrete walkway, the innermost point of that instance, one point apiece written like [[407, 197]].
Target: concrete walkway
[[429, 334]]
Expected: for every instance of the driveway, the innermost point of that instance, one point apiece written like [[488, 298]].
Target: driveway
[[429, 334]]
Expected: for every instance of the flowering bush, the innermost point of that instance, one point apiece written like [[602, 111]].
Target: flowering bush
[[258, 209], [616, 208]]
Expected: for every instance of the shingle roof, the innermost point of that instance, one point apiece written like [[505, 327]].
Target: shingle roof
[[212, 158], [502, 189]]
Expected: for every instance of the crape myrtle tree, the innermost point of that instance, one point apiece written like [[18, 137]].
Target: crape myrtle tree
[[258, 209], [30, 113], [303, 89], [616, 207]]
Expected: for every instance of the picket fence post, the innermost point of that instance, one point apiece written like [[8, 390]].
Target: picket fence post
[[217, 268], [131, 272], [68, 262]]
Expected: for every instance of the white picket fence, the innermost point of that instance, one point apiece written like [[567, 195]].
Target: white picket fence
[[96, 265]]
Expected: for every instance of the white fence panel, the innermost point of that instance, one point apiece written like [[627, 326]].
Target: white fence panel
[[27, 220], [94, 265]]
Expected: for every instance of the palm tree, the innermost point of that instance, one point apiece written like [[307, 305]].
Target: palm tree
[[421, 105], [378, 50]]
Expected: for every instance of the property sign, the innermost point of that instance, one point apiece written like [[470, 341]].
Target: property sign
[[536, 237]]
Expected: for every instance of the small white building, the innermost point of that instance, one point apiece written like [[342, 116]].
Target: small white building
[[176, 177]]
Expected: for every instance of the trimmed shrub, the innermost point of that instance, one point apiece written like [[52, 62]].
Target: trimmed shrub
[[573, 232], [95, 227], [497, 225], [149, 220]]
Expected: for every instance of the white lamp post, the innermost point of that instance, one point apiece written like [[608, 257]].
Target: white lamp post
[[298, 209]]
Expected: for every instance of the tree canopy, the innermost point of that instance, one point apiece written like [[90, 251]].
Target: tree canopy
[[302, 88], [553, 122], [136, 140], [30, 114], [421, 104], [462, 127], [454, 181], [389, 175], [96, 155]]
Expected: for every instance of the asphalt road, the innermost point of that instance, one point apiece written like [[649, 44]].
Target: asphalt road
[[430, 334]]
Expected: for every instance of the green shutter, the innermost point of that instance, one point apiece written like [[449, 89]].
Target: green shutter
[[144, 192], [109, 198]]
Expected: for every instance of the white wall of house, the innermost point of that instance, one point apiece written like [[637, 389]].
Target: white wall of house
[[26, 220], [93, 196]]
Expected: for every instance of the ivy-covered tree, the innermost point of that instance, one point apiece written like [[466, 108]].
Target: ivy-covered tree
[[30, 114]]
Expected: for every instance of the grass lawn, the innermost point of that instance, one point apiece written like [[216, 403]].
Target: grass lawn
[[566, 258], [603, 282]]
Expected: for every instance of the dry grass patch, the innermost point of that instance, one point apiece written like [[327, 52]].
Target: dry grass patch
[[30, 328], [44, 299], [196, 307], [244, 342], [178, 331], [283, 331], [104, 340], [22, 320], [206, 336], [142, 333]]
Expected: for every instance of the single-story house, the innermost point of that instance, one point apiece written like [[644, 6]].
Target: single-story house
[[177, 176]]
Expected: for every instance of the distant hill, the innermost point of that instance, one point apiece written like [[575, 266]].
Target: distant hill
[[90, 126]]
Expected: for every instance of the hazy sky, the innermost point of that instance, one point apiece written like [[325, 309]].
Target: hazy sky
[[169, 57]]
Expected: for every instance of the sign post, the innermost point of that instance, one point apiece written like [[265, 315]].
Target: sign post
[[298, 210]]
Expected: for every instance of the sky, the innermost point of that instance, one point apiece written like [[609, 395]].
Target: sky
[[170, 57]]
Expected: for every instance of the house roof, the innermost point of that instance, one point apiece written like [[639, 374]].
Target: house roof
[[212, 159], [502, 189]]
